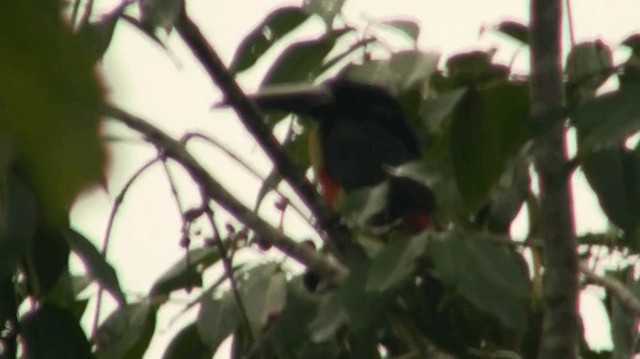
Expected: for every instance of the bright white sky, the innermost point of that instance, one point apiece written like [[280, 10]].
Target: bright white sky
[[173, 93]]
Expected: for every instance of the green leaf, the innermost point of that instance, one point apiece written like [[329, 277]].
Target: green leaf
[[436, 110], [51, 103], [614, 175], [411, 68], [589, 65], [396, 263], [515, 30], [160, 13], [187, 344], [264, 293], [326, 9], [186, 273], [407, 27], [17, 224], [302, 61], [487, 132], [331, 316], [474, 67], [290, 336], [607, 120], [126, 333], [53, 332], [49, 257], [493, 278], [217, 319], [272, 29], [97, 36], [96, 265]]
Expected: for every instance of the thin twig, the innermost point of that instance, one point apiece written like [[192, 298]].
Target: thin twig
[[328, 220], [624, 294], [228, 268], [572, 34], [117, 202], [333, 272]]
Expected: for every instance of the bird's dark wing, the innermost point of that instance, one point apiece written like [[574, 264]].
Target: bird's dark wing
[[356, 153]]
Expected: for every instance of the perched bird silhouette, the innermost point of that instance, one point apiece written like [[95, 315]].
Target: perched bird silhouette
[[362, 132]]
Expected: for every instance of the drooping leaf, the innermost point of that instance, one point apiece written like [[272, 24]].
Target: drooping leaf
[[187, 344], [487, 132], [160, 13], [290, 335], [53, 332], [412, 67], [51, 102], [407, 27], [606, 120], [614, 175], [97, 36], [396, 263], [127, 332], [302, 61], [264, 293], [96, 265], [272, 29], [217, 319], [589, 65], [331, 315], [186, 273], [436, 110], [492, 278], [48, 258], [472, 68], [326, 9], [515, 30], [17, 223]]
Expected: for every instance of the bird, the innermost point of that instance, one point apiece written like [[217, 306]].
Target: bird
[[361, 134]]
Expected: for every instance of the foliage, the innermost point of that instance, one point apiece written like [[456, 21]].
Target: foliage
[[462, 287]]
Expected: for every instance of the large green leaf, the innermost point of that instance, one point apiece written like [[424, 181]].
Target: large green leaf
[[272, 29], [589, 64], [187, 344], [48, 259], [50, 332], [614, 174], [487, 132], [51, 101], [187, 272], [302, 61], [126, 333], [264, 293], [607, 120], [17, 223], [491, 277], [396, 263], [217, 319], [96, 265]]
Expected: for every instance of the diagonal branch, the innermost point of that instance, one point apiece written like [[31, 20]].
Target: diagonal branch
[[328, 220], [331, 271]]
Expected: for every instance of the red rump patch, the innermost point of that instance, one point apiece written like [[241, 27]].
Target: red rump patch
[[417, 220], [329, 188]]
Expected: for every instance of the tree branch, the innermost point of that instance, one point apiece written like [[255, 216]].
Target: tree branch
[[331, 271], [560, 282], [626, 297], [328, 220]]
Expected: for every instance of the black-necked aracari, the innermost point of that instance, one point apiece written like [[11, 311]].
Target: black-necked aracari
[[361, 133]]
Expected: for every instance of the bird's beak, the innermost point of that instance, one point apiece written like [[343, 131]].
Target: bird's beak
[[296, 98]]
